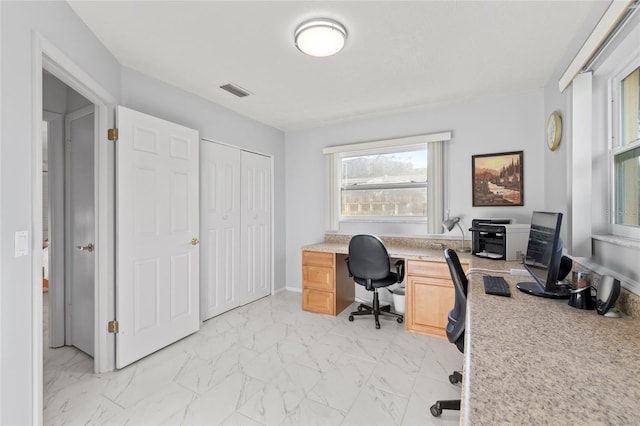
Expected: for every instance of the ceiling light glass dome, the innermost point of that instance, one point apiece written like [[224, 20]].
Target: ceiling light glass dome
[[320, 37]]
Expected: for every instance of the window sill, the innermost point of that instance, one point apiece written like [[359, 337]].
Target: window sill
[[618, 241], [381, 219]]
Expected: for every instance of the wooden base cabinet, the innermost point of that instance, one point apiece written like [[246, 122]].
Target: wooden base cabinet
[[430, 296], [324, 288]]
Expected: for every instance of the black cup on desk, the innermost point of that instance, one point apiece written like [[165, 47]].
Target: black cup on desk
[[581, 298]]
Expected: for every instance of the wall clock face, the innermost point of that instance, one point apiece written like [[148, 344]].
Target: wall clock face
[[554, 130]]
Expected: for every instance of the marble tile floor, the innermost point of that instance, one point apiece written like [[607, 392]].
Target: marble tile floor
[[266, 363]]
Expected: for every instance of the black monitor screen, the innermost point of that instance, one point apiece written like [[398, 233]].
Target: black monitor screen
[[544, 253]]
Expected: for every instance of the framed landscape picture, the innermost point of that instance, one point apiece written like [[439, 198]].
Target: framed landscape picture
[[497, 179]]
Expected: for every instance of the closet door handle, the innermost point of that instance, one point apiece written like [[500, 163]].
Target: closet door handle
[[88, 248], [195, 242]]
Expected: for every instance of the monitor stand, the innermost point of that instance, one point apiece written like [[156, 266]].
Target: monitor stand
[[537, 290]]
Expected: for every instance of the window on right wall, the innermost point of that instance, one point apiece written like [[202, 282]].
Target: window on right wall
[[624, 157]]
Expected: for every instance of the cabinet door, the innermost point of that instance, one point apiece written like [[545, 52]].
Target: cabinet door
[[431, 299]]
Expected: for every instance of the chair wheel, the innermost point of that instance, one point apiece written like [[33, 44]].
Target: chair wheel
[[435, 411], [453, 379], [377, 326], [400, 320], [360, 308]]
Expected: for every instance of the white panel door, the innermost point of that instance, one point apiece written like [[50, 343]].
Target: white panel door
[[80, 222], [157, 252], [220, 228], [255, 207]]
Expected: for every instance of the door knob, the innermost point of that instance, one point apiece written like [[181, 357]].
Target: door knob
[[194, 241], [88, 248]]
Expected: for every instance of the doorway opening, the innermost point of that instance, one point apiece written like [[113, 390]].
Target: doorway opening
[[68, 219]]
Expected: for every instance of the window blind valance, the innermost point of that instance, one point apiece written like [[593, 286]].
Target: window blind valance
[[389, 143]]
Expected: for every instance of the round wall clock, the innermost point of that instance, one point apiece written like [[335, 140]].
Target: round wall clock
[[554, 130]]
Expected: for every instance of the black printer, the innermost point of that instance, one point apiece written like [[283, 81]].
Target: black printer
[[499, 239]]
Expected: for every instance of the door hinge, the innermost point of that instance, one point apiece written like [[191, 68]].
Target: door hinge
[[113, 326], [112, 134]]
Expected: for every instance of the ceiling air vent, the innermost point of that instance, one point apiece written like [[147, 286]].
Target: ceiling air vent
[[235, 90]]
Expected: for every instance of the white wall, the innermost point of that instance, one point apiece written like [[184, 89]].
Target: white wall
[[555, 162], [57, 23], [489, 125], [214, 122]]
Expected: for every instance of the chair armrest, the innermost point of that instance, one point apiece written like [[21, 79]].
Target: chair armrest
[[400, 270], [348, 268]]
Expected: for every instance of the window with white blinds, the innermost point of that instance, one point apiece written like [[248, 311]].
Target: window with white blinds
[[397, 180], [624, 155]]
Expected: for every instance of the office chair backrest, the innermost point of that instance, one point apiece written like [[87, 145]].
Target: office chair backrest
[[457, 315], [368, 257]]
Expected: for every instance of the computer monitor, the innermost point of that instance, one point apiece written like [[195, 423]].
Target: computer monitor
[[544, 257]]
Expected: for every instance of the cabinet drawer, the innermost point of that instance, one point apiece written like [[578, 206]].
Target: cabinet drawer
[[428, 268], [318, 258], [322, 302], [318, 277]]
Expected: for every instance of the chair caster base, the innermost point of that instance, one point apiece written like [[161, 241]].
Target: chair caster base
[[456, 377], [435, 411]]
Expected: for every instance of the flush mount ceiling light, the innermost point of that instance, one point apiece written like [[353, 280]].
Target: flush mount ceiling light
[[320, 37]]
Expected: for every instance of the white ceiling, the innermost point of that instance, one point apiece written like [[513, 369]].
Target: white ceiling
[[399, 54]]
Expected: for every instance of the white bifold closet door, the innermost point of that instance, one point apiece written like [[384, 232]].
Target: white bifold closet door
[[255, 229], [235, 213], [220, 224]]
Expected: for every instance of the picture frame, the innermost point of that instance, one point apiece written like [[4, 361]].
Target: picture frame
[[497, 179]]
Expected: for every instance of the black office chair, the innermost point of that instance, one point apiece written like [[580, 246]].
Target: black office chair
[[455, 326], [369, 265]]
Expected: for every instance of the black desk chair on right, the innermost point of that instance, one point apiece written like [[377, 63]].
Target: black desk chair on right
[[455, 326]]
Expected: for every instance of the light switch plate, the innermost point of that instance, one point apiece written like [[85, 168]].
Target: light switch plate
[[21, 243]]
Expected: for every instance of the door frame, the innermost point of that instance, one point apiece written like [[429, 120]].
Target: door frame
[[47, 56], [56, 161]]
